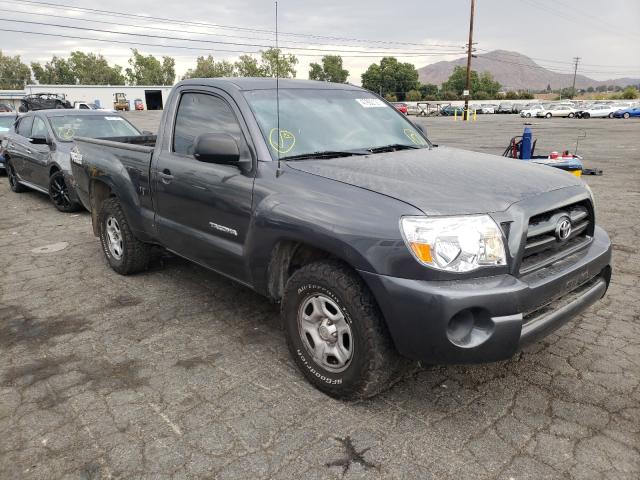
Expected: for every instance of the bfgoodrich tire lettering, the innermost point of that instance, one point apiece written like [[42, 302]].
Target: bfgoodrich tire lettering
[[132, 255], [374, 364]]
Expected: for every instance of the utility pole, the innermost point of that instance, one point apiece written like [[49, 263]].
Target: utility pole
[[469, 50], [575, 71]]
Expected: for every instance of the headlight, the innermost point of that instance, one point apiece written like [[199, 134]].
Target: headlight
[[454, 244]]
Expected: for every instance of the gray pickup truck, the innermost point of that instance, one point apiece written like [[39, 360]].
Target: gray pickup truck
[[380, 246]]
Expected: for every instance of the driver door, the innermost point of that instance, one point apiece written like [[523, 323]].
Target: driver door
[[203, 210]]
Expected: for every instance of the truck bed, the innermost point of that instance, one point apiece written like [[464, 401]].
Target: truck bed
[[93, 157]]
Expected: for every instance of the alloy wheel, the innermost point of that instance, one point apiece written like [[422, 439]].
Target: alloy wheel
[[60, 192]]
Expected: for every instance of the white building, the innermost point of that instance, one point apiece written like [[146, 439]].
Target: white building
[[153, 97]]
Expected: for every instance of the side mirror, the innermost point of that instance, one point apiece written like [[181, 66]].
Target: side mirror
[[39, 141], [216, 148]]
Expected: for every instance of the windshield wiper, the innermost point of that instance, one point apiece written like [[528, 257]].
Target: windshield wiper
[[325, 154], [393, 147]]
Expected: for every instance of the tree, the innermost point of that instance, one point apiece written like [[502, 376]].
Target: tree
[[487, 83], [274, 62], [391, 77], [14, 74], [413, 96], [330, 71], [57, 71], [428, 90], [629, 93], [92, 69], [247, 66], [147, 70], [206, 67], [390, 97]]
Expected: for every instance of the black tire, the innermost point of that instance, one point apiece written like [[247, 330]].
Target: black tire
[[626, 115], [548, 115], [374, 364], [13, 178], [571, 115], [59, 193], [611, 115], [134, 254], [528, 115], [585, 115]]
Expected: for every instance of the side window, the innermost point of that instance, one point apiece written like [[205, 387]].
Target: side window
[[24, 127], [39, 128], [200, 113]]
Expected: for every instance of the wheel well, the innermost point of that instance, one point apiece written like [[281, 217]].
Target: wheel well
[[287, 257], [100, 191], [53, 170]]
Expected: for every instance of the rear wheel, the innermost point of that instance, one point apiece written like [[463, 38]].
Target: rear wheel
[[13, 178], [528, 115], [125, 253], [586, 115], [611, 115], [571, 115], [59, 193], [548, 115], [336, 333], [626, 115]]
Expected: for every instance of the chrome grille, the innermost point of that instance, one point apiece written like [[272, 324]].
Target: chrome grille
[[549, 239]]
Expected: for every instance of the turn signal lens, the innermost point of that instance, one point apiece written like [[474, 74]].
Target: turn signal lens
[[422, 251]]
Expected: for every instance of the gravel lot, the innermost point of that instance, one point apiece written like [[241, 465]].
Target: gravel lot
[[179, 373]]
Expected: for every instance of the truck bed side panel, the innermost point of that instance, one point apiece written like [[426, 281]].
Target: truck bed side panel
[[124, 168]]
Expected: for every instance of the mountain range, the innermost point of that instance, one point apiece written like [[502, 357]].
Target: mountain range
[[515, 71]]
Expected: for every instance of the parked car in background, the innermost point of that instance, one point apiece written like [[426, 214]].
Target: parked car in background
[[504, 108], [531, 110], [451, 110], [597, 111], [90, 106], [487, 108], [5, 107], [377, 244], [627, 112], [401, 107], [37, 153], [557, 111], [43, 101], [7, 119]]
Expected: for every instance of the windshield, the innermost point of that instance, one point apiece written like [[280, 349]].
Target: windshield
[[65, 127], [6, 123], [314, 120]]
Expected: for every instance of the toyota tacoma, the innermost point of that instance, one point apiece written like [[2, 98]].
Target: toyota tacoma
[[380, 247]]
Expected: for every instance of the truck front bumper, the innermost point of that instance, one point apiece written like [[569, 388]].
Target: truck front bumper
[[487, 319]]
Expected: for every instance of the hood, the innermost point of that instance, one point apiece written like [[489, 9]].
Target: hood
[[443, 181]]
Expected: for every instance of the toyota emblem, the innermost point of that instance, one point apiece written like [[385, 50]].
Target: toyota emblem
[[563, 229]]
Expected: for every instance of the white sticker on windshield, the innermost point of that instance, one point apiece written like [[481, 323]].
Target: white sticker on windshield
[[371, 102], [113, 118]]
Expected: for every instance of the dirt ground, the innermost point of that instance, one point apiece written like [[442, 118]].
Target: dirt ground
[[178, 373]]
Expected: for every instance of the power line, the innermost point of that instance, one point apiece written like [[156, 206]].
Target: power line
[[174, 21], [182, 47], [155, 27]]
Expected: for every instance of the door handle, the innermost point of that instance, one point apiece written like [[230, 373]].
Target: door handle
[[28, 151], [165, 176]]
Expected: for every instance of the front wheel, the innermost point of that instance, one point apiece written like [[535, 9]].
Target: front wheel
[[528, 115], [124, 252], [611, 115], [586, 115], [59, 194], [626, 115], [571, 115], [336, 333], [548, 115], [15, 185]]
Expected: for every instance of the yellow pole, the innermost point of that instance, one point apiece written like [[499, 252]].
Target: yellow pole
[[475, 112], [455, 114]]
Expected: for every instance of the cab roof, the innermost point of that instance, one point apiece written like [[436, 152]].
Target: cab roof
[[261, 83]]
